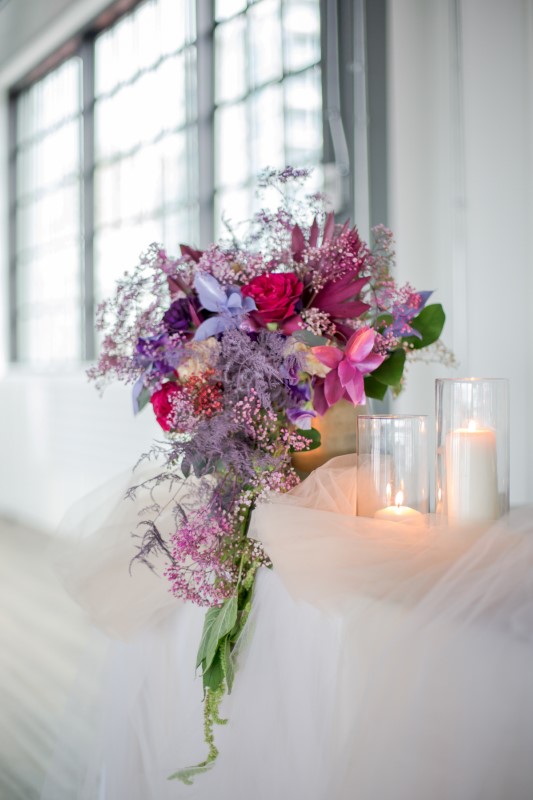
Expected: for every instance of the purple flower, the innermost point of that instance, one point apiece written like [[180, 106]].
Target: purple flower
[[403, 313], [302, 417], [151, 353], [227, 304], [300, 392], [181, 316]]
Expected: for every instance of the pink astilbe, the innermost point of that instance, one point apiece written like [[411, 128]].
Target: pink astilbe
[[197, 572]]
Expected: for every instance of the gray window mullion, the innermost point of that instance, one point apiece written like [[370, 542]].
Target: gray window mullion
[[87, 189], [12, 245], [206, 102]]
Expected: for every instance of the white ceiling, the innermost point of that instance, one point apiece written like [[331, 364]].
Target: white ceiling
[[21, 21]]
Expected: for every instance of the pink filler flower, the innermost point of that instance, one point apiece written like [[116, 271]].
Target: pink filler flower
[[347, 370]]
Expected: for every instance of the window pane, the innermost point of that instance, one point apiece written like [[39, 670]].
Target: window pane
[[268, 94], [145, 137], [301, 24], [265, 42], [233, 206], [267, 128], [227, 8], [303, 118], [230, 60], [48, 217], [231, 132]]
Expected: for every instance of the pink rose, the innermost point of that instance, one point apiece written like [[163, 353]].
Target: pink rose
[[162, 402], [275, 295]]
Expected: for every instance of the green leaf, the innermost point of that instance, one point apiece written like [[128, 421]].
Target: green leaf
[[312, 435], [391, 371], [227, 663], [429, 323], [309, 338], [374, 388], [186, 775], [218, 623], [213, 676], [143, 400]]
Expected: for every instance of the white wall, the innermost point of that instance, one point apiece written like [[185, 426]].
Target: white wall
[[461, 99]]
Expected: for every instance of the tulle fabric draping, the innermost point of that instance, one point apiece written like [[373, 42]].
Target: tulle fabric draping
[[381, 661]]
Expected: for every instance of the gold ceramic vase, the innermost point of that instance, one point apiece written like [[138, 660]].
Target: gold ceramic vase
[[338, 432]]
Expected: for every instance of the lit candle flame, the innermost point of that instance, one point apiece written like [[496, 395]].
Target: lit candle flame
[[399, 499], [472, 425]]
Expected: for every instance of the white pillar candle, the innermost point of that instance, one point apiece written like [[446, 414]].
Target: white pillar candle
[[398, 512], [471, 474]]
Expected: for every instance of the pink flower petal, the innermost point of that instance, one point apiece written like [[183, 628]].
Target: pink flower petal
[[333, 390], [329, 356], [346, 371], [319, 400], [360, 345], [292, 324], [370, 363], [355, 390]]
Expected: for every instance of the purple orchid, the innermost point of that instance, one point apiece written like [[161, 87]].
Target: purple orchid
[[227, 304], [403, 313], [347, 370]]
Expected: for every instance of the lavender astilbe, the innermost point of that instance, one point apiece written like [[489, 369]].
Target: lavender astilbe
[[196, 572], [254, 362]]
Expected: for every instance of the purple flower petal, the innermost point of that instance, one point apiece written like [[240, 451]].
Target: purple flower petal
[[212, 327], [301, 417], [212, 295]]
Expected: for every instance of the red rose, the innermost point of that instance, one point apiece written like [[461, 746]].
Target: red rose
[[275, 295], [162, 402]]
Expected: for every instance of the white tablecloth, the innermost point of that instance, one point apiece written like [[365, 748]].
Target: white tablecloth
[[380, 662]]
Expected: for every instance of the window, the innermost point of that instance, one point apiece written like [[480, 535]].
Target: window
[[268, 97], [154, 128], [48, 217]]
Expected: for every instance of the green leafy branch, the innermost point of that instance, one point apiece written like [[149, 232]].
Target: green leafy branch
[[429, 324]]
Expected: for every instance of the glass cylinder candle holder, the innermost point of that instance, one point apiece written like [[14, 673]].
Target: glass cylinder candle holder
[[472, 449], [392, 475]]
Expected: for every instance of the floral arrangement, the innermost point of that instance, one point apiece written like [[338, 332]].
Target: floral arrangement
[[237, 349]]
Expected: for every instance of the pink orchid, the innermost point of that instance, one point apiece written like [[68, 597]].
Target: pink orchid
[[347, 369]]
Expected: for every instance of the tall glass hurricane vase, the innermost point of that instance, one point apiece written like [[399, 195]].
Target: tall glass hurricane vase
[[472, 456]]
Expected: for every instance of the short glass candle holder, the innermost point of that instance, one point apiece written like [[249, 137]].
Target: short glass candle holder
[[472, 449], [392, 475]]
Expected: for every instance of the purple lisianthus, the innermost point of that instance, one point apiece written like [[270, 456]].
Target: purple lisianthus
[[302, 417], [152, 354], [300, 392], [182, 316]]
